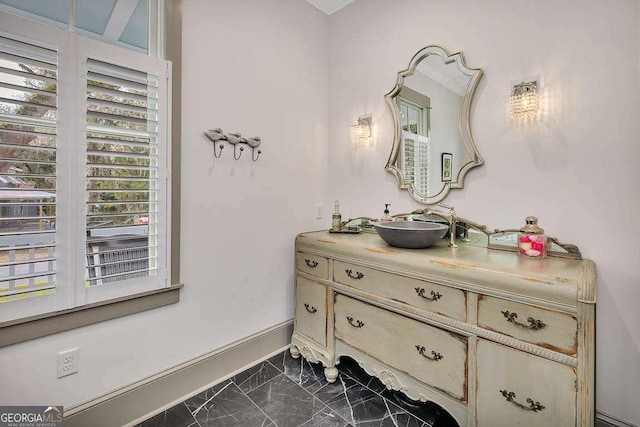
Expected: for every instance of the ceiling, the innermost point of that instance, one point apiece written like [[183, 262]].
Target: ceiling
[[329, 6]]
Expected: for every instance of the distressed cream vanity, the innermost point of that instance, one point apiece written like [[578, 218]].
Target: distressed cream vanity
[[495, 339]]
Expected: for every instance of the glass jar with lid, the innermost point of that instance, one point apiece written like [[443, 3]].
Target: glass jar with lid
[[532, 242]]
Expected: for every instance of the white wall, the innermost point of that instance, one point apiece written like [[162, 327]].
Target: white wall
[[258, 67], [577, 170]]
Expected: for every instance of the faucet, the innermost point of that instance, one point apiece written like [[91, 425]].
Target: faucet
[[450, 217]]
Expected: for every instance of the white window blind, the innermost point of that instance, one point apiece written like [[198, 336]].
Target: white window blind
[[126, 160], [28, 116], [84, 192], [122, 173]]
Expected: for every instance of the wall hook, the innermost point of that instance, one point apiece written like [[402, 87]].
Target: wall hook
[[254, 143], [234, 152], [234, 139]]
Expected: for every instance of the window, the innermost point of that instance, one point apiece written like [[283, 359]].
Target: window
[[133, 24], [84, 182], [417, 145]]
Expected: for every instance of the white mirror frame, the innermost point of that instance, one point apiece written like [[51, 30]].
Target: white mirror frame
[[464, 125]]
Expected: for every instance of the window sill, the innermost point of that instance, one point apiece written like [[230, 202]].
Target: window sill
[[51, 323]]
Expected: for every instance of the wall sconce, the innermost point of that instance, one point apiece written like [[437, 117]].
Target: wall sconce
[[361, 132], [524, 100]]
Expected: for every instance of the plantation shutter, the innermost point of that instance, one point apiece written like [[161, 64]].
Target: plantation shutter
[[28, 172], [126, 171], [84, 155]]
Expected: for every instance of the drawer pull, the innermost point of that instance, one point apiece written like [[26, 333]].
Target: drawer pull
[[434, 355], [533, 406], [310, 310], [533, 323], [435, 296], [357, 276], [358, 324], [312, 264]]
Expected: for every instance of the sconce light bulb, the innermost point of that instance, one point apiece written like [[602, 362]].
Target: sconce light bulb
[[524, 102], [361, 132]]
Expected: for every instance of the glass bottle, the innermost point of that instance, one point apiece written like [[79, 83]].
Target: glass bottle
[[336, 218], [532, 242]]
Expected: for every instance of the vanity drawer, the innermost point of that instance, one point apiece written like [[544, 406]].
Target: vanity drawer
[[430, 355], [440, 299], [312, 264], [511, 384], [311, 310], [547, 328]]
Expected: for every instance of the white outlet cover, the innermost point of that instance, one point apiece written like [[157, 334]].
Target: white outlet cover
[[68, 362]]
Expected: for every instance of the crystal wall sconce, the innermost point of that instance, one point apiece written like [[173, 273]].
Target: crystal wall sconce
[[524, 100], [361, 132]]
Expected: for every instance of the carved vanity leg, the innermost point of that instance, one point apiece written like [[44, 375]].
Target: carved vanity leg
[[331, 374], [295, 351]]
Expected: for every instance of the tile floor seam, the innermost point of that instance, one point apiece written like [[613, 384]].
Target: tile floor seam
[[276, 366], [312, 396], [211, 398], [255, 404], [184, 402]]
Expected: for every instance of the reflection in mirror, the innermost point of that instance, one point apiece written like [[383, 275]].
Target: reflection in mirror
[[433, 148]]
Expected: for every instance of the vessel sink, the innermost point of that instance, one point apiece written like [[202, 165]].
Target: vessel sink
[[411, 234]]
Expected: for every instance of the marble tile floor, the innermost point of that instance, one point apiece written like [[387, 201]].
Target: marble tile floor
[[287, 392]]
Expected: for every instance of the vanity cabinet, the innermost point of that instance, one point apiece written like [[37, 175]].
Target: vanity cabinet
[[493, 338]]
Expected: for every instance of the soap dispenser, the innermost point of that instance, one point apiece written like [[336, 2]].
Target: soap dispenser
[[386, 216]]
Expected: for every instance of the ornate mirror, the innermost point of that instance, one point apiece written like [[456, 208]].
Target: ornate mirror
[[432, 147]]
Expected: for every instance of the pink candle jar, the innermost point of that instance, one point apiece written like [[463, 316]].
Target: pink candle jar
[[532, 242]]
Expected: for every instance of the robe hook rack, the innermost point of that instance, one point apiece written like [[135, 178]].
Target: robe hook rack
[[235, 139]]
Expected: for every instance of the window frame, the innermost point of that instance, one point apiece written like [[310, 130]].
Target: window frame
[[31, 327]]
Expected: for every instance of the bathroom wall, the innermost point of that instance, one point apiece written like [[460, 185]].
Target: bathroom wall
[[576, 169], [258, 67]]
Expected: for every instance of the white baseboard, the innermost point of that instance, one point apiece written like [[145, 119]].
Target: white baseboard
[[138, 401], [610, 420]]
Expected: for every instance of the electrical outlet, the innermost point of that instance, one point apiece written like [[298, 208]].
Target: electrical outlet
[[318, 211], [68, 362]]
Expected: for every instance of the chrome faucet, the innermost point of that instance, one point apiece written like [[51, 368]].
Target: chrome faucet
[[450, 217]]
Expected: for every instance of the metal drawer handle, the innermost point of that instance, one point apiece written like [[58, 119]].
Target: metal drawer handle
[[358, 324], [358, 275], [435, 296], [533, 323], [312, 264], [310, 310], [533, 405], [434, 355]]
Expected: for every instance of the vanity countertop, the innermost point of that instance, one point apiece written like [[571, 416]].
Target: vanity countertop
[[556, 281]]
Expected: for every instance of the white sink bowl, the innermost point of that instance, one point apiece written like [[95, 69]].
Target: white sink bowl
[[411, 234]]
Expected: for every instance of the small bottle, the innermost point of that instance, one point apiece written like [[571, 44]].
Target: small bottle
[[336, 218], [532, 242], [386, 216]]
